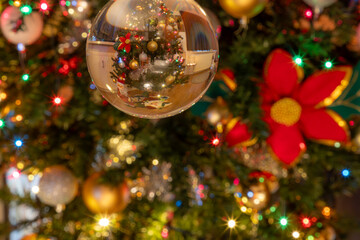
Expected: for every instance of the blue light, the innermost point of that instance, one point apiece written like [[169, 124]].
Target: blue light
[[18, 143], [345, 173], [250, 194], [74, 3], [238, 194], [20, 47], [92, 86], [178, 203]]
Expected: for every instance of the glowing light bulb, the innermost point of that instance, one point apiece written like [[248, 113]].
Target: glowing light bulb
[[308, 13], [57, 101], [35, 189], [2, 123], [26, 9], [21, 47], [44, 6], [305, 222], [18, 143], [345, 173], [231, 223], [104, 222], [283, 221], [296, 234], [215, 141], [298, 60], [328, 64], [25, 77]]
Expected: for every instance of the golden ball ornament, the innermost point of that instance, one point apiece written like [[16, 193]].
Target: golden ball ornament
[[134, 64], [218, 112], [104, 199], [256, 196], [170, 79], [243, 8], [57, 186], [152, 46], [30, 237]]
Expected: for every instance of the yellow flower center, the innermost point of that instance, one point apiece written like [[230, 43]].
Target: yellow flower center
[[286, 111], [127, 41]]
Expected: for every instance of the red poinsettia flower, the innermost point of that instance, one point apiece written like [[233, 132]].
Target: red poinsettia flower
[[125, 43], [293, 109]]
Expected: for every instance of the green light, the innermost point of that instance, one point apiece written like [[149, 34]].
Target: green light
[[260, 217], [273, 209], [319, 225], [298, 61], [68, 3], [283, 222], [310, 237], [26, 9], [261, 179], [2, 123], [328, 64], [25, 77]]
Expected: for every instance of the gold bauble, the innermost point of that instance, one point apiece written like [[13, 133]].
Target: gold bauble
[[169, 80], [218, 112], [243, 8], [152, 46], [257, 196], [30, 237], [134, 64], [104, 199]]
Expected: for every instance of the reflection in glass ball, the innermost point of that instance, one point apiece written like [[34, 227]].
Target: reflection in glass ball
[[152, 58]]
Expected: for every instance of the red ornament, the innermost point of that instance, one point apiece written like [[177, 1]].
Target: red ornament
[[238, 133], [125, 43], [293, 110]]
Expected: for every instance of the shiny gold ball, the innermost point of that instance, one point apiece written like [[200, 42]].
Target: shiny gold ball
[[104, 199], [257, 196], [152, 46], [243, 8], [169, 80], [30, 237], [134, 64]]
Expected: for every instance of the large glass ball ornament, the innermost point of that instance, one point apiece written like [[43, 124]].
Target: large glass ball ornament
[[58, 186], [18, 28], [76, 9], [152, 58], [105, 199], [215, 22]]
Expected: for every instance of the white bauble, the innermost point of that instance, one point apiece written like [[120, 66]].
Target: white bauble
[[58, 186], [21, 29]]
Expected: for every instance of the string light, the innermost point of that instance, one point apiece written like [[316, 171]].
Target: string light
[[326, 212], [104, 222], [26, 9], [35, 189], [2, 123], [308, 13], [295, 234], [283, 222], [16, 174], [17, 3], [215, 142], [298, 60], [328, 64], [306, 222], [44, 6], [231, 223], [25, 77], [18, 143], [21, 47], [345, 173], [57, 100]]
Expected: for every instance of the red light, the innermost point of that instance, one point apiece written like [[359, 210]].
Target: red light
[[308, 13], [57, 100], [351, 123], [305, 222], [215, 142], [43, 6]]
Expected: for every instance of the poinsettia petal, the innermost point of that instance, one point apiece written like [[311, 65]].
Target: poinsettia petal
[[127, 48], [281, 74], [324, 87], [287, 144], [324, 125], [122, 39], [268, 96], [128, 35]]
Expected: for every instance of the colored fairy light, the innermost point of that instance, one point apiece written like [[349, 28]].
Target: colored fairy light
[[18, 143], [345, 173], [308, 13], [328, 64], [21, 47], [165, 233], [35, 189], [298, 60], [215, 141], [250, 194], [295, 234], [44, 6], [283, 221], [310, 237], [15, 174], [26, 9], [2, 123], [306, 222], [326, 211], [25, 77], [231, 223], [17, 3], [57, 100], [104, 222]]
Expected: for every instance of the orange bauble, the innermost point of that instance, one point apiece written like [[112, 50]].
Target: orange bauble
[[104, 199], [30, 237]]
